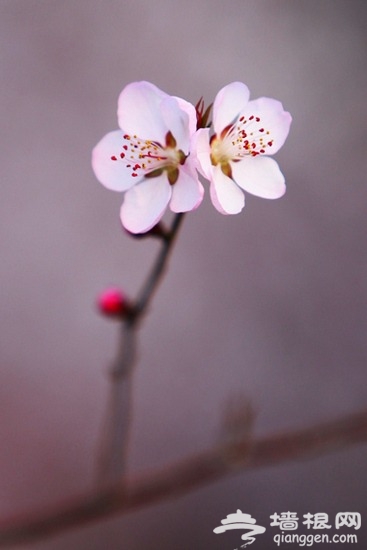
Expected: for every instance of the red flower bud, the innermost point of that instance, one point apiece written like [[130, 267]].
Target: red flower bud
[[112, 302]]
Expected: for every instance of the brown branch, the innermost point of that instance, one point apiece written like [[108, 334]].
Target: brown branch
[[158, 269], [115, 433], [116, 429], [176, 479]]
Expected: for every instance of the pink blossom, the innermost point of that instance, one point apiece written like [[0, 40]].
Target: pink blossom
[[236, 157], [149, 158]]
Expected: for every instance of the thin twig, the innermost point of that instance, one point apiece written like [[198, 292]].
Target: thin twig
[[115, 437], [115, 434], [158, 268], [181, 477]]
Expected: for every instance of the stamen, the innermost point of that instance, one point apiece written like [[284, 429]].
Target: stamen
[[226, 131], [149, 158], [236, 141]]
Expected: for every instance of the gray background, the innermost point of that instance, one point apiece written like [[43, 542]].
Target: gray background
[[270, 303]]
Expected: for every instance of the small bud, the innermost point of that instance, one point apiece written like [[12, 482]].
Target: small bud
[[202, 117], [112, 302]]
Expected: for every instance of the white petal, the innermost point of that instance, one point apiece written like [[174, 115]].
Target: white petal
[[259, 176], [273, 118], [139, 111], [145, 204], [113, 174], [200, 151], [226, 196], [187, 192], [190, 110], [177, 122], [229, 102]]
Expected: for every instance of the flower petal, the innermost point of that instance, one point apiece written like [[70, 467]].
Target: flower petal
[[177, 121], [187, 192], [273, 118], [200, 151], [226, 196], [190, 110], [139, 111], [145, 204], [228, 104], [259, 176], [113, 174]]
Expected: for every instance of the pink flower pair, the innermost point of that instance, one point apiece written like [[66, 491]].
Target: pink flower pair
[[156, 156]]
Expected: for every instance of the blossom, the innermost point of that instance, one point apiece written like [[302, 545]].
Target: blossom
[[148, 158], [235, 157]]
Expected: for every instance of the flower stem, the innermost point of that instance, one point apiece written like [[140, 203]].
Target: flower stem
[[115, 440], [158, 268]]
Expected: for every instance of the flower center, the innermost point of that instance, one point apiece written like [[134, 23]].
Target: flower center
[[150, 158], [246, 136]]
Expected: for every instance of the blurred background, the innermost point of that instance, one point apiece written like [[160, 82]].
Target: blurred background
[[270, 303]]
